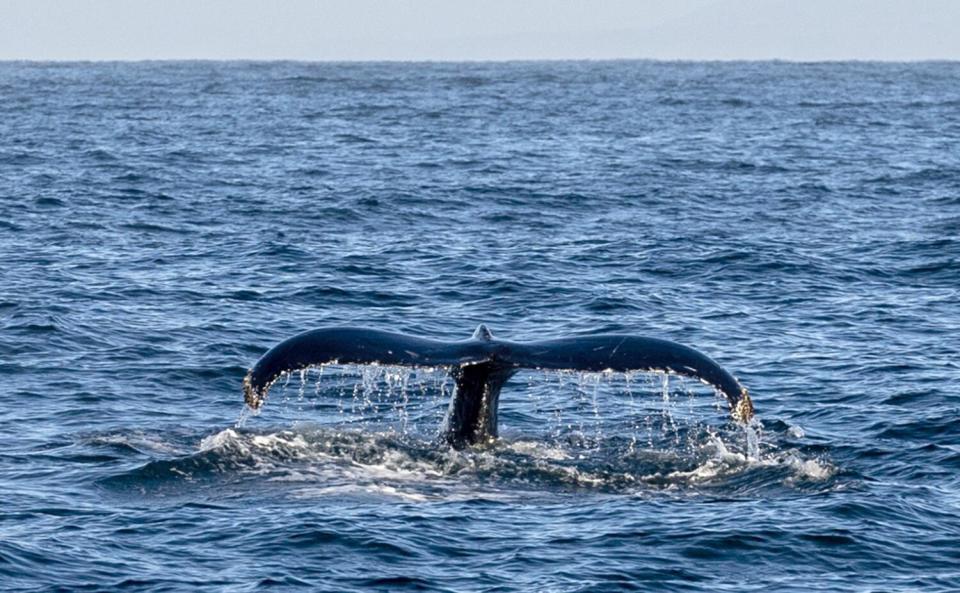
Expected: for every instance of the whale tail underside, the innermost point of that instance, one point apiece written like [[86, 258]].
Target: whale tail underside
[[482, 364]]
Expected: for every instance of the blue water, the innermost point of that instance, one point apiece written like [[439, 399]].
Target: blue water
[[163, 224]]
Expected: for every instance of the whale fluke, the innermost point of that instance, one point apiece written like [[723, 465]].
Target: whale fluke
[[482, 364]]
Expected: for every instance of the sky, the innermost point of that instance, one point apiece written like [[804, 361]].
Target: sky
[[319, 30]]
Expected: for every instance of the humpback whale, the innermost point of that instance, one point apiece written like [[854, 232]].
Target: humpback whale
[[482, 364]]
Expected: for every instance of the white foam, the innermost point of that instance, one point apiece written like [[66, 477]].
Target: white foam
[[337, 462], [725, 462], [218, 440], [811, 469], [538, 449]]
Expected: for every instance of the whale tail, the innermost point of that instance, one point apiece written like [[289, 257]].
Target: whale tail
[[482, 364]]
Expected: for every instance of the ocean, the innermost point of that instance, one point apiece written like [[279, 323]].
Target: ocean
[[163, 224]]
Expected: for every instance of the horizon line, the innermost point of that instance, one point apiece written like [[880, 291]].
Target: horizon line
[[479, 60]]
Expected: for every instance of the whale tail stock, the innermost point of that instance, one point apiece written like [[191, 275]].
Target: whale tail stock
[[482, 364]]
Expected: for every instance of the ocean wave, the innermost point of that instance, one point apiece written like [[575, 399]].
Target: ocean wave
[[314, 462]]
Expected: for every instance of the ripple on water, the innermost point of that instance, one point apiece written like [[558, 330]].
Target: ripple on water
[[163, 223]]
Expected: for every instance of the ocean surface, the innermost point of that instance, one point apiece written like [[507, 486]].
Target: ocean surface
[[163, 224]]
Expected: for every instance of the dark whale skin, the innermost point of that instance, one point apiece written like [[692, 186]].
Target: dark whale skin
[[482, 364]]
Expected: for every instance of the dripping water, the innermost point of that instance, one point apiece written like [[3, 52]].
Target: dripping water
[[584, 410]]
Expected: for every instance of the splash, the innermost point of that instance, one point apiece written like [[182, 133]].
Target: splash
[[312, 461], [371, 430], [557, 404]]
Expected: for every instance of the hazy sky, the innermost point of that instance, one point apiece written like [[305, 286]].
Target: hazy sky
[[479, 29]]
